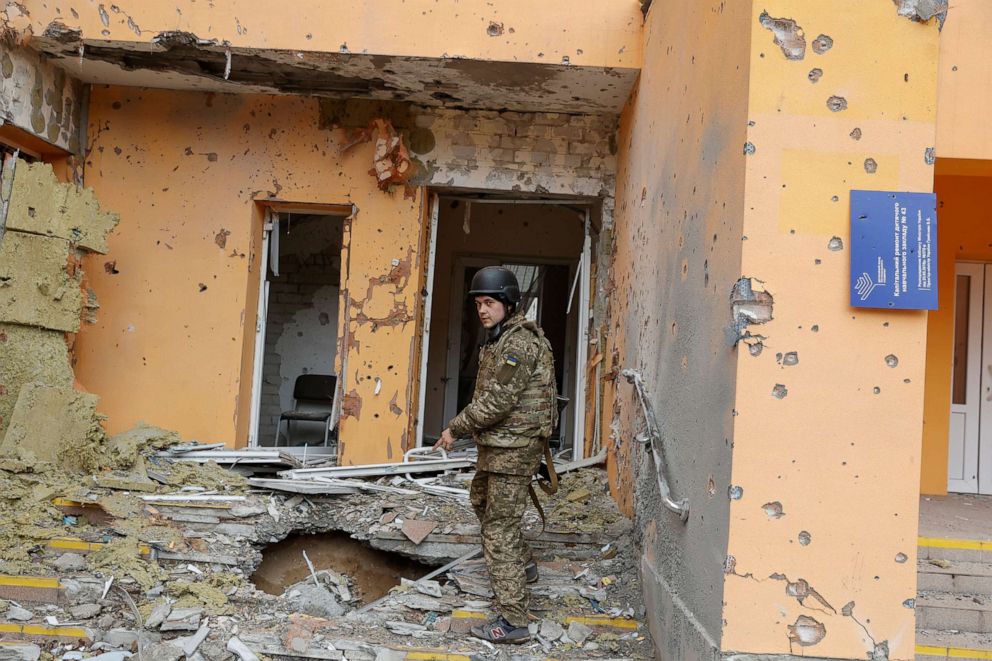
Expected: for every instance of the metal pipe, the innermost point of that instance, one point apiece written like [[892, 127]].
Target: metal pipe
[[680, 507]]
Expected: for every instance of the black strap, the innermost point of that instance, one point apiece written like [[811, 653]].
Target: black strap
[[549, 486]]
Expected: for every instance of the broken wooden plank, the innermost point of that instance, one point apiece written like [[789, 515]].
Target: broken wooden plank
[[379, 470], [213, 559], [311, 487], [600, 458], [545, 538], [365, 486], [194, 498], [238, 457]]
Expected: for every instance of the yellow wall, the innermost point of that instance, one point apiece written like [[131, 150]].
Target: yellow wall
[[963, 129], [170, 344], [840, 452], [964, 233], [601, 34]]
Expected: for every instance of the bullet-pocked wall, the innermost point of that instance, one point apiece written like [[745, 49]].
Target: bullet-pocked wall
[[822, 549], [676, 256], [965, 82], [184, 168], [178, 288]]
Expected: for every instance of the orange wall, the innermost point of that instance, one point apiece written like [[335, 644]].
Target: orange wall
[[963, 129], [964, 232], [838, 454], [184, 169], [601, 34]]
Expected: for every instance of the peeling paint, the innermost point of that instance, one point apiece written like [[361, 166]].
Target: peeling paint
[[806, 631], [788, 35], [922, 10]]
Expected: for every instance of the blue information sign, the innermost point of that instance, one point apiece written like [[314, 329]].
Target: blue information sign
[[893, 250]]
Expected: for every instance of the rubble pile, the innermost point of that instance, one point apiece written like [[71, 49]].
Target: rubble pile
[[153, 554]]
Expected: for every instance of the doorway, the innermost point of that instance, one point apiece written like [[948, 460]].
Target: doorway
[[543, 287], [969, 466], [546, 243], [297, 331]]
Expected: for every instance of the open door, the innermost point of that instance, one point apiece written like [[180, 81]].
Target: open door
[[969, 465]]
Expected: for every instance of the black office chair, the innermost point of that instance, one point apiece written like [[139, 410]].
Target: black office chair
[[314, 390]]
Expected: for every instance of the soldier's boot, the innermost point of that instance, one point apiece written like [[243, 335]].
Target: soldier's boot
[[530, 571], [501, 631]]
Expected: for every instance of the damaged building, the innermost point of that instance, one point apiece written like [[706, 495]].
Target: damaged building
[[235, 245]]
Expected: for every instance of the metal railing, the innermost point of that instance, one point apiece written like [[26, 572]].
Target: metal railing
[[653, 438]]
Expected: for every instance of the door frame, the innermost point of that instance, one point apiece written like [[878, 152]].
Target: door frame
[[573, 331], [270, 229], [977, 436]]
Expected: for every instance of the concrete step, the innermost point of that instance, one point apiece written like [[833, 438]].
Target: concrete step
[[954, 576], [934, 645], [955, 550], [958, 612]]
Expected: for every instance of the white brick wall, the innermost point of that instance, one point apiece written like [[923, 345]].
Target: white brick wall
[[527, 152]]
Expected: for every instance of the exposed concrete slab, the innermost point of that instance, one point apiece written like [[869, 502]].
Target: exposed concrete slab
[[183, 63], [35, 286], [46, 419], [40, 204], [28, 355]]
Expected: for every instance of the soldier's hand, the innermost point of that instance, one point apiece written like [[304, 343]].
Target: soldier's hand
[[446, 442]]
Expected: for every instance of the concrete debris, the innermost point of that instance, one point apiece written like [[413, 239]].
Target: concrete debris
[[20, 652], [236, 647], [158, 615], [417, 530], [85, 611], [550, 630], [146, 569], [163, 651], [578, 633], [18, 614], [315, 600], [182, 619]]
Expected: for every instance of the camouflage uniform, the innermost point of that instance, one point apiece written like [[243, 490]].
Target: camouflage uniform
[[511, 414]]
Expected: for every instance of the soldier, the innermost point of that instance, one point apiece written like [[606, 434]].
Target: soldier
[[511, 415]]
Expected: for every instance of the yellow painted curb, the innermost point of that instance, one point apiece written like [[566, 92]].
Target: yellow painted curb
[[954, 652], [65, 502], [468, 615], [944, 543], [44, 630], [30, 581], [613, 622], [75, 544]]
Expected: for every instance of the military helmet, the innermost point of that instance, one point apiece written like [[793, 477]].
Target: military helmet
[[498, 282]]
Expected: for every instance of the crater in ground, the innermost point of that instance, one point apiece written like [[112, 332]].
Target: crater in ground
[[372, 572]]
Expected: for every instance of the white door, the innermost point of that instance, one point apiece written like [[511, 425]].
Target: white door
[[969, 469]]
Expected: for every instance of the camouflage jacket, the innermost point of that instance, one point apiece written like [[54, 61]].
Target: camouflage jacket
[[513, 406]]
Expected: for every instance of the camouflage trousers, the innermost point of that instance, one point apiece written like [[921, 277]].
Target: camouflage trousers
[[499, 501]]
